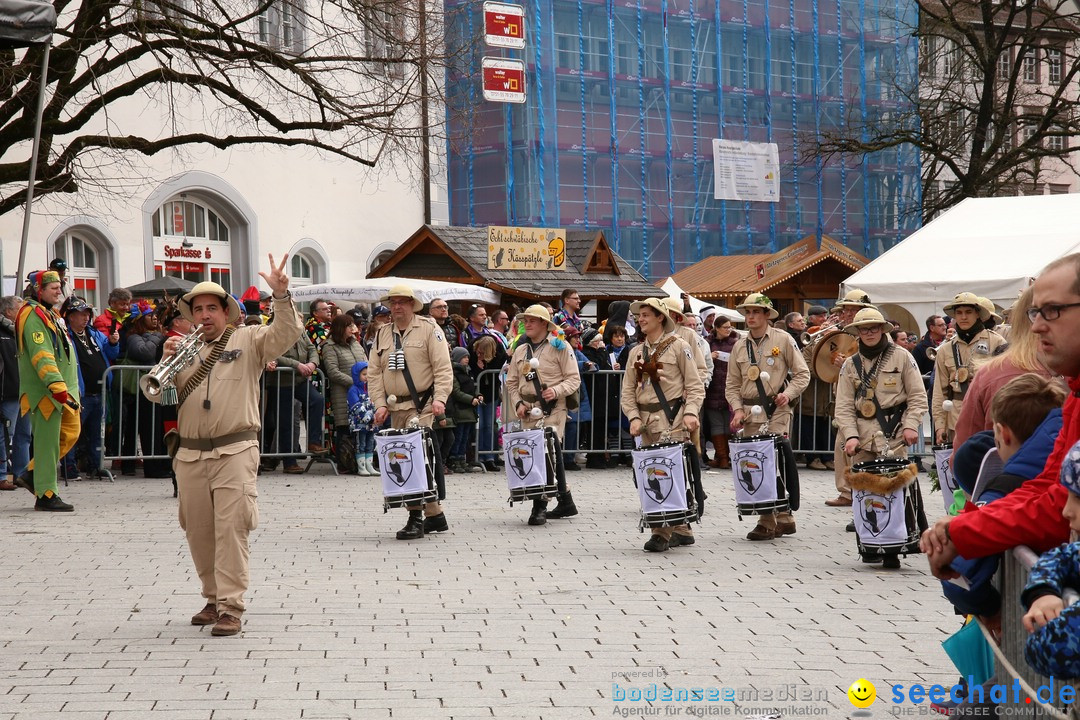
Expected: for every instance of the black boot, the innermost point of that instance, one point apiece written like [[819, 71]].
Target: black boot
[[413, 529], [436, 523], [26, 481], [539, 512], [565, 508]]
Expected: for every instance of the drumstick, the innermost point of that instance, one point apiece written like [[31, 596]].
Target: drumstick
[[947, 406]]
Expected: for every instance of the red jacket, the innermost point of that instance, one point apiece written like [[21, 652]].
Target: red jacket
[[1031, 514]]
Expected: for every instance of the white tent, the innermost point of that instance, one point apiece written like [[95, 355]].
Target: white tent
[[673, 290], [374, 289], [992, 247]]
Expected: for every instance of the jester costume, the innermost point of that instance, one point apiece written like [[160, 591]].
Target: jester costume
[[48, 380]]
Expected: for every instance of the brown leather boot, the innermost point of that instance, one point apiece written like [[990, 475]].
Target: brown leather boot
[[721, 459]]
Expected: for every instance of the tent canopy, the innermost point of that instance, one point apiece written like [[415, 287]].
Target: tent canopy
[[373, 290], [992, 247], [673, 290], [26, 22]]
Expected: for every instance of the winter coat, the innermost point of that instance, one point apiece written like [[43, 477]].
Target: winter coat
[[9, 362], [337, 364], [1031, 515], [602, 388], [144, 349], [714, 393], [1052, 650], [302, 352], [361, 411], [461, 410], [489, 385], [584, 411], [109, 352]]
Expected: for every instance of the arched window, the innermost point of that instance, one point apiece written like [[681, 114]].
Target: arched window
[[84, 273], [301, 272], [380, 259], [191, 241]]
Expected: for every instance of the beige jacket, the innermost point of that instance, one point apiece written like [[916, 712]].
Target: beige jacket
[[692, 339], [557, 370], [426, 355], [897, 380], [947, 385], [775, 354], [679, 378], [232, 387]]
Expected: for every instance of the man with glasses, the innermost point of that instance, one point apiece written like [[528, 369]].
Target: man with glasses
[[936, 327], [880, 400], [1031, 514], [500, 324], [568, 315], [440, 313], [317, 326], [959, 359]]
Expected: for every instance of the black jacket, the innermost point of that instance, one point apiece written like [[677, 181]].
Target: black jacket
[[9, 363]]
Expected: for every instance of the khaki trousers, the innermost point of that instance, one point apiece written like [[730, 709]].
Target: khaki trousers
[[841, 463], [218, 510]]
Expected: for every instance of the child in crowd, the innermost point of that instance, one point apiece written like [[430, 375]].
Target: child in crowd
[[361, 419], [1027, 419], [464, 400], [1053, 648]]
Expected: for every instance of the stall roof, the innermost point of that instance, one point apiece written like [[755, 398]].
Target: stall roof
[[459, 254], [739, 275]]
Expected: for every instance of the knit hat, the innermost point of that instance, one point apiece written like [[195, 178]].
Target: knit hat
[[588, 336], [458, 354], [1070, 470], [47, 276]]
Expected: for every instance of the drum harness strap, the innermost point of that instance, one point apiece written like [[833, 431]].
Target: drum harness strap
[[533, 375], [767, 403], [204, 370], [888, 420], [652, 370], [420, 400], [958, 395]]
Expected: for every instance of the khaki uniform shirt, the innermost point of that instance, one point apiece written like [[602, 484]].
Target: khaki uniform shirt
[[692, 339], [428, 360], [558, 370], [947, 386], [232, 388], [679, 378], [776, 354], [897, 380]]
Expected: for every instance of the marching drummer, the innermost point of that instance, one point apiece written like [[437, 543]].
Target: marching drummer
[[758, 379], [958, 360], [660, 378], [541, 373], [409, 357], [880, 399], [845, 309]]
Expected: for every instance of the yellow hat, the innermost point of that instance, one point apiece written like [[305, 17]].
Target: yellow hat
[[540, 313], [855, 297], [989, 306], [865, 318], [659, 306], [971, 300], [758, 300], [232, 307], [406, 292], [674, 306]]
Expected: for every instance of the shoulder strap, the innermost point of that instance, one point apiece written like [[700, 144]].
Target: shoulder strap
[[545, 406], [204, 370]]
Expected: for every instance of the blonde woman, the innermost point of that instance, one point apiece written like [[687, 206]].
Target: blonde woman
[[1019, 357]]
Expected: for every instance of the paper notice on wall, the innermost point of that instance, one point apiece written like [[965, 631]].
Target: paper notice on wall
[[746, 171]]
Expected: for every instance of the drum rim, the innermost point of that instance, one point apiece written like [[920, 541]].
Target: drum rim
[[943, 446], [865, 465], [756, 438]]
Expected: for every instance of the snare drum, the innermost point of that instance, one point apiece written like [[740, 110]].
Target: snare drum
[[946, 480], [530, 464], [887, 506], [665, 484], [758, 470], [406, 466]]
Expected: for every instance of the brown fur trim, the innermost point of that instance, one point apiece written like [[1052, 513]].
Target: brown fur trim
[[881, 484]]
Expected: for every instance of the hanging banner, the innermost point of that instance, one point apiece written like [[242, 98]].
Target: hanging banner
[[504, 80], [520, 248], [504, 25], [746, 171]]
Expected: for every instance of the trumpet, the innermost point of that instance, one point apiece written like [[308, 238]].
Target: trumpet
[[159, 385], [931, 353], [809, 338]]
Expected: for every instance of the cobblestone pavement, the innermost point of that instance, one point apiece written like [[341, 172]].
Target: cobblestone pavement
[[492, 619]]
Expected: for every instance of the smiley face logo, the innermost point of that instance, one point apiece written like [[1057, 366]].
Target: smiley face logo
[[862, 693]]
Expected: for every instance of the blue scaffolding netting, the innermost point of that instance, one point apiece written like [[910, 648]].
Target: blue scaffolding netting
[[624, 100]]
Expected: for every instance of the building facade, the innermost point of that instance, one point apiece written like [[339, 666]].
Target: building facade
[[624, 99]]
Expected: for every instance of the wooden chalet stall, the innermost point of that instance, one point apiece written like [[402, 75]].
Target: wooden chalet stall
[[798, 276], [524, 265]]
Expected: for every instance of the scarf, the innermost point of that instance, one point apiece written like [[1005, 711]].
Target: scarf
[[968, 335], [871, 352]]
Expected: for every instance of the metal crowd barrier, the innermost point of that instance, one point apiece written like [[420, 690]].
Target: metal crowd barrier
[[130, 412], [812, 433], [1009, 663]]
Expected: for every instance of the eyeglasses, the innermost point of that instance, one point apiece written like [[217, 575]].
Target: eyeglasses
[[1049, 312], [870, 330], [438, 307]]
